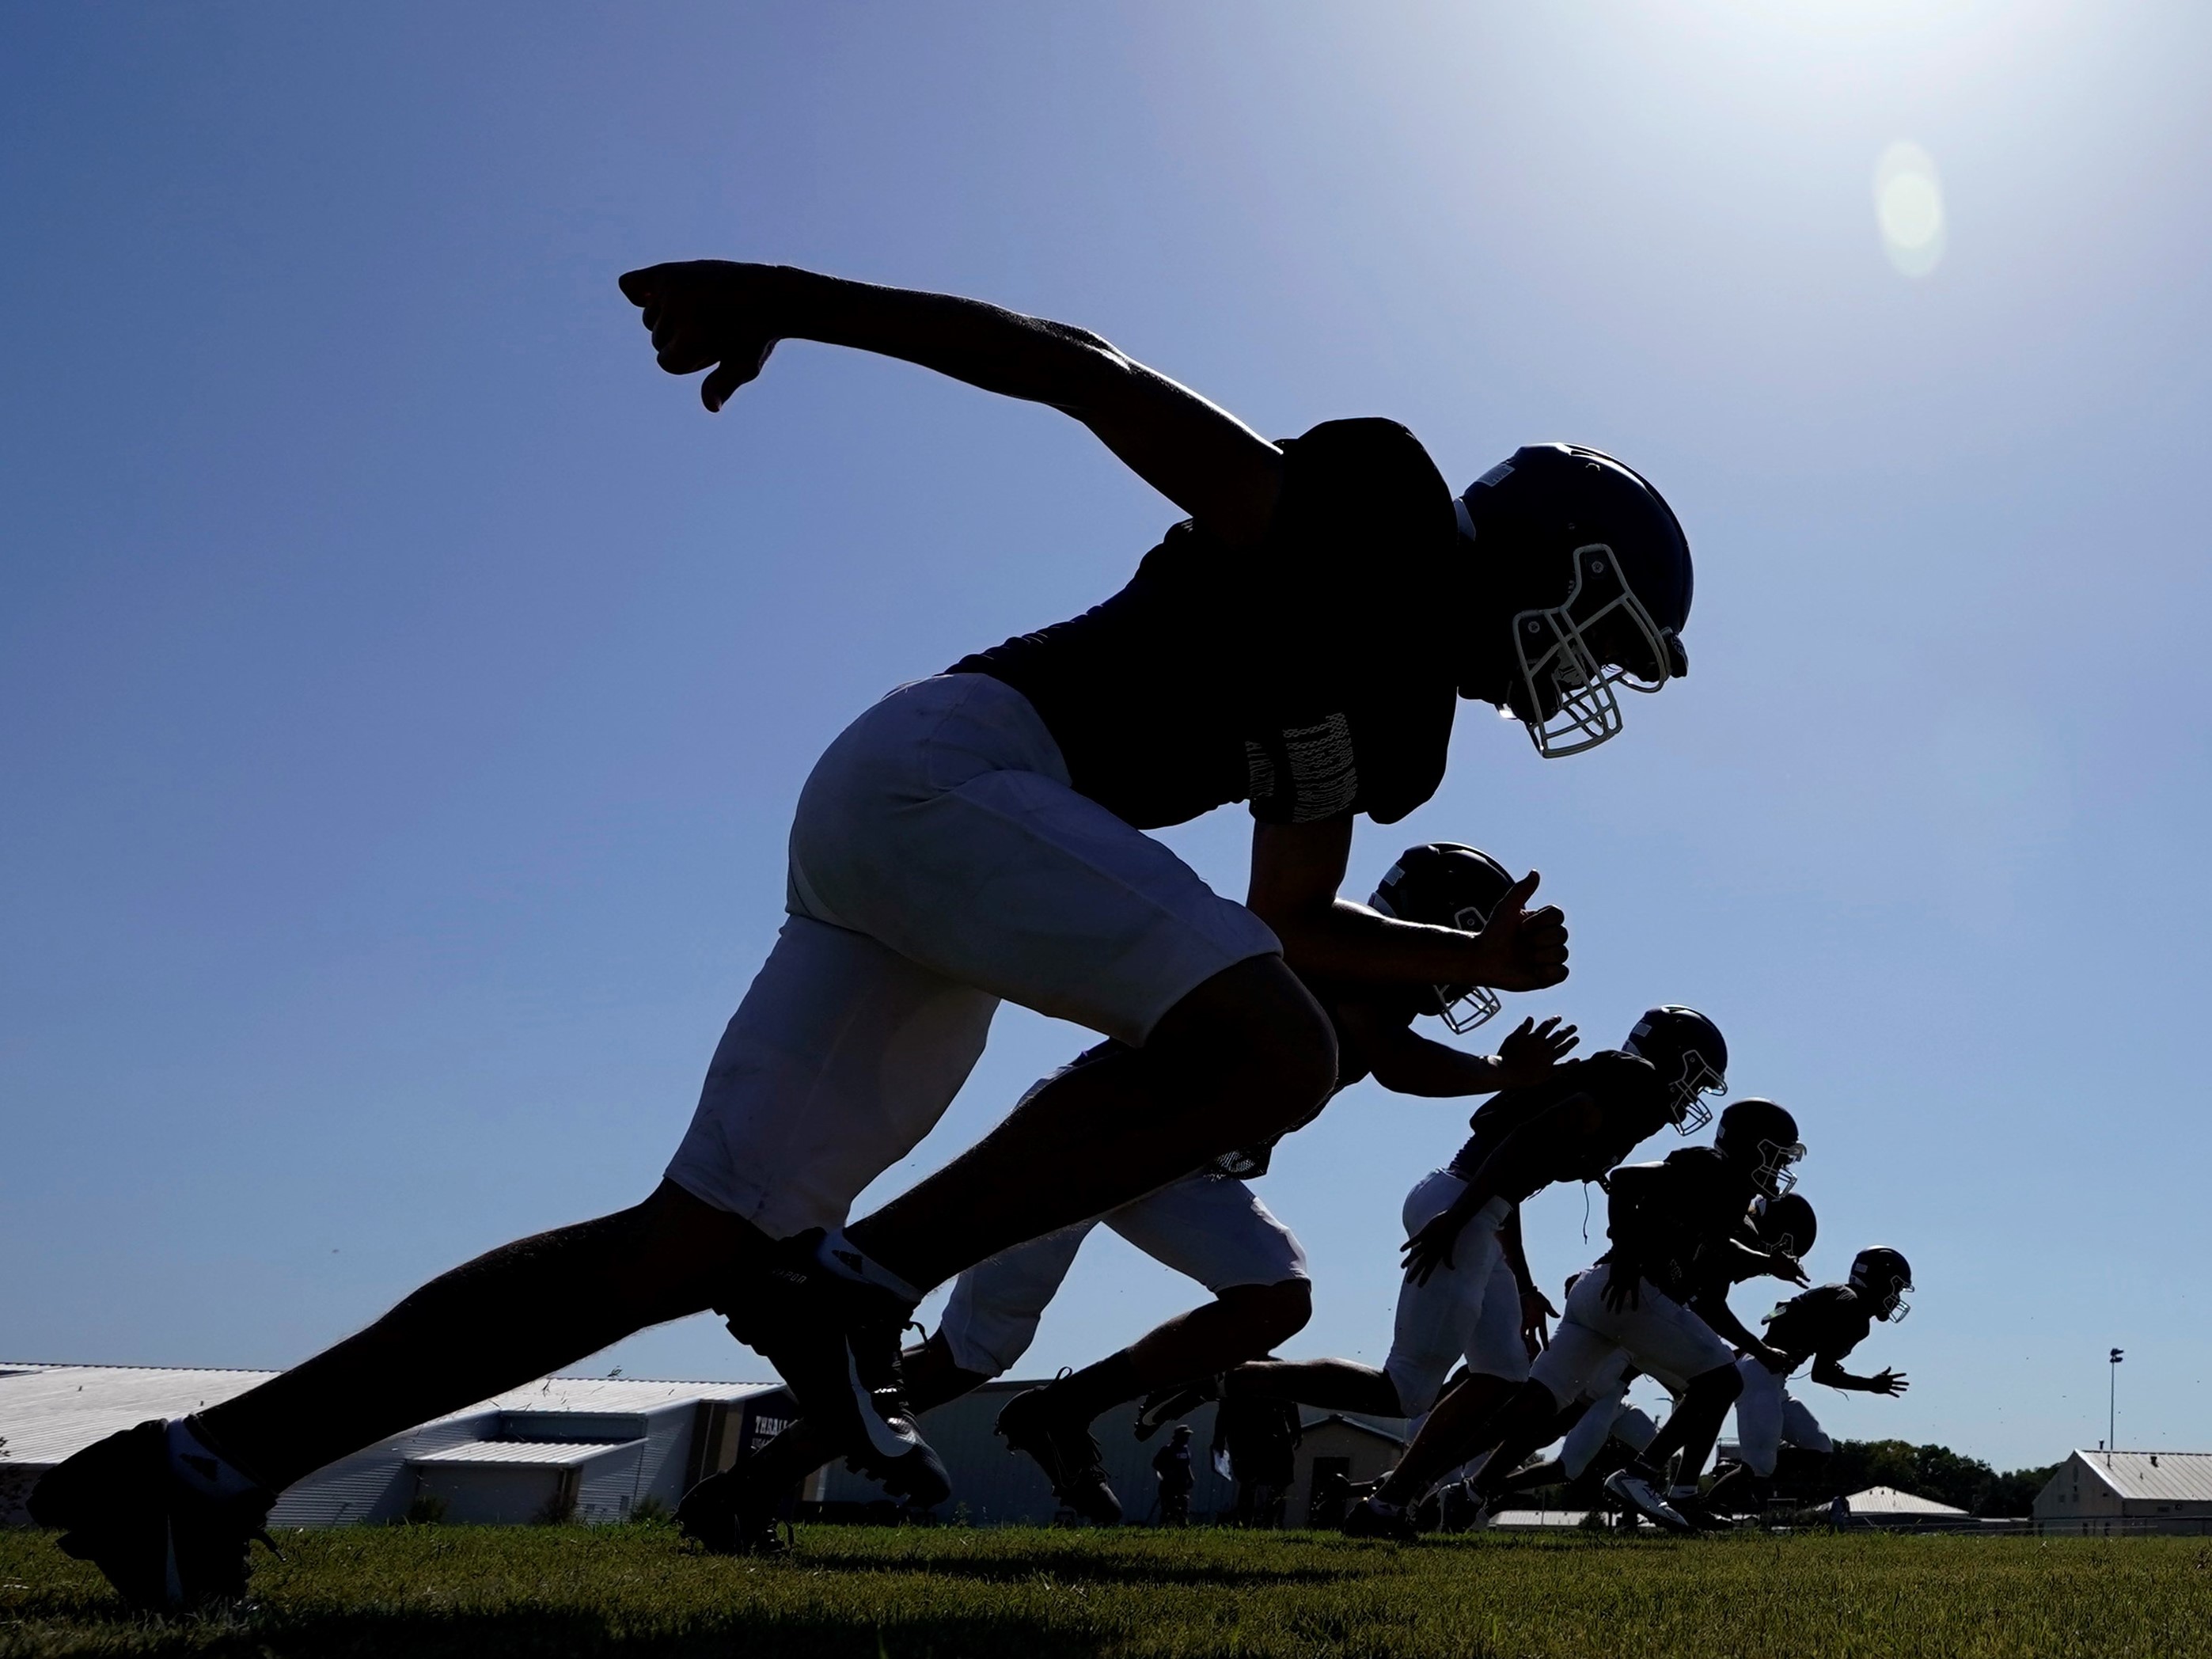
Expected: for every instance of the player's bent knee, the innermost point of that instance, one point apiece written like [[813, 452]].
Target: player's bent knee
[[1254, 1039], [1274, 1313]]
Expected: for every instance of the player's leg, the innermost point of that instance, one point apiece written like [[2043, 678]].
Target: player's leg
[[1433, 1325], [1460, 1425], [988, 1324], [512, 1315], [1216, 1231], [1232, 1062], [166, 1510], [1665, 1339], [943, 825], [1584, 1349], [1759, 1413]]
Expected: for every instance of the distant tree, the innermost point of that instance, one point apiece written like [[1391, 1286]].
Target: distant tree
[[1936, 1472]]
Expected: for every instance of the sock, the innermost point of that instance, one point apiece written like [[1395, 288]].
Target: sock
[[1092, 1389], [201, 1467], [841, 1257]]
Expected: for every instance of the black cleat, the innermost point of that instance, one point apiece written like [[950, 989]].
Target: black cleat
[[163, 1546], [1369, 1519], [1064, 1448], [837, 1343], [733, 1513]]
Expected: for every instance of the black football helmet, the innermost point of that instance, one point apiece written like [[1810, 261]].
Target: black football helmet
[[1762, 1138], [1883, 1276], [1786, 1224], [1596, 584], [1446, 885], [1691, 1057]]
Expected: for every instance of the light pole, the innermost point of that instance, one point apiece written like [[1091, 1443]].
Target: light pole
[[2112, 1405]]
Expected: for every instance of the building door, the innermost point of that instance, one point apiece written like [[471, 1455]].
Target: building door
[[1329, 1492]]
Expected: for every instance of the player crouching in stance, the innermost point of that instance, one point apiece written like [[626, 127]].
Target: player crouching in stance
[[1299, 642], [1824, 1324], [1467, 1292], [1209, 1225], [1666, 1221]]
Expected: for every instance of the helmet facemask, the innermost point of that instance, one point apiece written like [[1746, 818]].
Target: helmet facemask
[[1773, 1175], [1463, 1007], [1890, 1305], [1565, 697], [1684, 1094]]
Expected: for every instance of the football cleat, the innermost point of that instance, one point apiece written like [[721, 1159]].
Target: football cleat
[[1370, 1518], [835, 1342], [1064, 1448], [1701, 1516], [1164, 1406], [1636, 1492], [117, 1504], [733, 1513]]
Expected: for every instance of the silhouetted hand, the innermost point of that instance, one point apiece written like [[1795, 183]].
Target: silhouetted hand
[[1887, 1381], [1535, 1309], [1530, 1050], [1623, 1288], [1772, 1357], [710, 313], [1788, 1268], [1523, 949], [1432, 1248]]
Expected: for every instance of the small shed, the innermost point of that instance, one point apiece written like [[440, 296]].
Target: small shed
[[1885, 1506], [2101, 1492]]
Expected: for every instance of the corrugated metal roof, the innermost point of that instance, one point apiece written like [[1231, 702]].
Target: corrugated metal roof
[[506, 1454], [2160, 1477], [48, 1412], [1887, 1500]]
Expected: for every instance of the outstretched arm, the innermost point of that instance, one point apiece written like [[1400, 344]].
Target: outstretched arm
[[1827, 1369], [726, 317], [1406, 1063], [1297, 869]]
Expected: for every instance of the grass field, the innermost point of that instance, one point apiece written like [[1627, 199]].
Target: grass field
[[485, 1592]]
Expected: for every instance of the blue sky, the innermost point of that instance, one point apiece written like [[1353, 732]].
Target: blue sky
[[403, 686]]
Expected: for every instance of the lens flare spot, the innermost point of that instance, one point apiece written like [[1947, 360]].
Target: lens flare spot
[[1908, 207]]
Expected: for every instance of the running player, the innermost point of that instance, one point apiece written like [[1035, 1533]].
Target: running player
[[1209, 1225], [1468, 1291], [1298, 643], [1667, 1221], [1823, 1325]]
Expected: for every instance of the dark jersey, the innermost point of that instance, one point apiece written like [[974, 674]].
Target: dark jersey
[[1619, 1082], [1670, 1219], [1828, 1320], [1313, 675]]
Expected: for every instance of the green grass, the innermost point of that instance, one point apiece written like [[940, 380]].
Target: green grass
[[479, 1593]]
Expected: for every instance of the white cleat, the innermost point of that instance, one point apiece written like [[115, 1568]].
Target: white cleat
[[1641, 1495]]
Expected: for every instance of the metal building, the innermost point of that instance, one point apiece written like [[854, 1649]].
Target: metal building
[[2101, 1493], [592, 1450], [562, 1447]]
